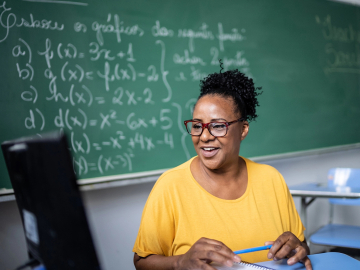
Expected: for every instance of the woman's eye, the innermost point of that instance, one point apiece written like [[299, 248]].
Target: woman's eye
[[219, 126]]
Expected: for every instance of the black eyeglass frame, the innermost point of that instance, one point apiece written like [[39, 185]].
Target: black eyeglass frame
[[206, 125]]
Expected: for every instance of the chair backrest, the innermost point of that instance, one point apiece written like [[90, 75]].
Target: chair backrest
[[344, 179]]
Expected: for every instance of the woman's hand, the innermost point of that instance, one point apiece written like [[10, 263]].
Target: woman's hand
[[289, 246], [205, 251]]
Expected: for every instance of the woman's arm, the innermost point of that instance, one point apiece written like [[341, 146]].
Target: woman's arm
[[154, 262], [203, 252]]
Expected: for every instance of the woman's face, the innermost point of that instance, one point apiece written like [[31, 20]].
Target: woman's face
[[218, 152]]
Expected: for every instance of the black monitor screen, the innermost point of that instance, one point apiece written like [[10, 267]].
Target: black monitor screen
[[53, 215]]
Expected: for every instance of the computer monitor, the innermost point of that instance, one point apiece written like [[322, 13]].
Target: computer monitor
[[50, 204]]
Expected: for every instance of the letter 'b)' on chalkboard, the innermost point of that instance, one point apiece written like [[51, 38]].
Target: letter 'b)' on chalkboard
[[121, 77]]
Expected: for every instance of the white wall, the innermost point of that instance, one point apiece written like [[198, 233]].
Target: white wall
[[115, 213]]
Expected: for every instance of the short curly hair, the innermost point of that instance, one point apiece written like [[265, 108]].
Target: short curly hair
[[235, 85]]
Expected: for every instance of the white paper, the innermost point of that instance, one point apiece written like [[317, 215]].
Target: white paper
[[240, 265]]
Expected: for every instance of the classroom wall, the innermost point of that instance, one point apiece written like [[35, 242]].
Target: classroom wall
[[115, 213]]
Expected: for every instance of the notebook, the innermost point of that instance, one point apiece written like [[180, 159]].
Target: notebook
[[241, 266]]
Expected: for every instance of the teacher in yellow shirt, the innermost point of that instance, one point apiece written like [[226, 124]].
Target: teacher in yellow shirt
[[218, 201]]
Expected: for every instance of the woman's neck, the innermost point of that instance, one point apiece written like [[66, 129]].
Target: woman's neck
[[226, 183]]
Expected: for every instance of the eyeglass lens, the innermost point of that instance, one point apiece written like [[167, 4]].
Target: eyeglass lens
[[215, 128]]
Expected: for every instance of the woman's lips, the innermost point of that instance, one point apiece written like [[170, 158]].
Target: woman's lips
[[209, 152]]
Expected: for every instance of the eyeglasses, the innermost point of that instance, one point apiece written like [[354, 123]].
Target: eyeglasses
[[216, 129]]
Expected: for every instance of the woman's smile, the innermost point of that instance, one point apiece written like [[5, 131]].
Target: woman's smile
[[209, 151]]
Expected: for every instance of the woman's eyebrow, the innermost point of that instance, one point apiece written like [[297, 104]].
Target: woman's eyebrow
[[212, 120], [218, 119]]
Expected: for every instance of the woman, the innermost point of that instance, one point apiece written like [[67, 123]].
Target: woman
[[217, 202]]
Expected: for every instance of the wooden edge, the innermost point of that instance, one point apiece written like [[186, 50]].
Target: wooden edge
[[149, 176]]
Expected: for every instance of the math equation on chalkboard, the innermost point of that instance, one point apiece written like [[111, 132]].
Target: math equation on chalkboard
[[119, 85], [120, 77]]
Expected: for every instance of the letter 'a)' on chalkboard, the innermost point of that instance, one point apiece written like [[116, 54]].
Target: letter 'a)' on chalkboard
[[120, 77]]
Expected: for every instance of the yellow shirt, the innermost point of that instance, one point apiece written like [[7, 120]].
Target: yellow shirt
[[179, 211]]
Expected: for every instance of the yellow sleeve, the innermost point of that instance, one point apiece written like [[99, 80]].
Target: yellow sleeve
[[156, 232], [296, 226]]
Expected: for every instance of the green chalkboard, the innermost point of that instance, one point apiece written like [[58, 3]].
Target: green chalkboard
[[119, 77]]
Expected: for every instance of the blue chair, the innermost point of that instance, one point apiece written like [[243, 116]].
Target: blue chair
[[338, 235]]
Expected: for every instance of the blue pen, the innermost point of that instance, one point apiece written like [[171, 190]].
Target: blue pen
[[252, 249]]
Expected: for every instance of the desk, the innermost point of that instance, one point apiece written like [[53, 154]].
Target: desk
[[322, 261], [313, 191]]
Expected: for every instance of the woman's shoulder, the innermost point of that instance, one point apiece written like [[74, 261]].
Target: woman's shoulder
[[264, 173], [260, 167], [182, 168], [176, 174]]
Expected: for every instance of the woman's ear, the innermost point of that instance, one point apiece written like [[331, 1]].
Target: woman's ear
[[245, 130]]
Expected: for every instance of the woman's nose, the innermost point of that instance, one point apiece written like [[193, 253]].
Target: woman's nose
[[206, 135]]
